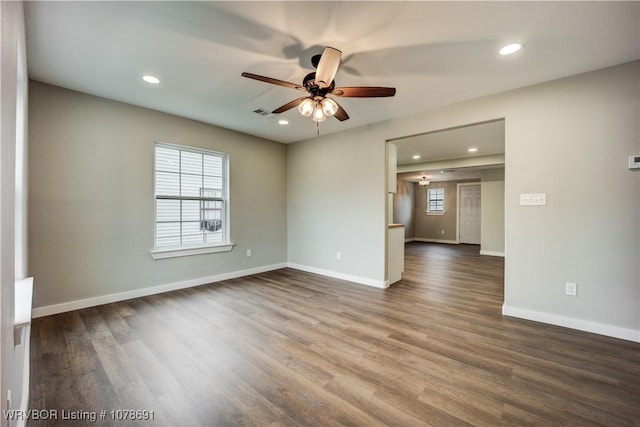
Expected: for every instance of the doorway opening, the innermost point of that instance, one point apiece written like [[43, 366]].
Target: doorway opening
[[451, 160], [467, 165]]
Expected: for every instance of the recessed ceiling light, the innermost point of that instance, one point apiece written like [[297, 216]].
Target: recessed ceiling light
[[510, 48], [283, 122], [151, 79], [472, 150], [415, 156]]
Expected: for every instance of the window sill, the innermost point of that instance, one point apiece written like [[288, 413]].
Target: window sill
[[435, 213], [199, 250]]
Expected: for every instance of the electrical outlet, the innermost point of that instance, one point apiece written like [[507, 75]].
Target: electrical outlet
[[571, 289], [338, 255], [248, 252]]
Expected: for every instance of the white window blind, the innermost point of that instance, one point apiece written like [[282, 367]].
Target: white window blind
[[191, 197], [435, 200]]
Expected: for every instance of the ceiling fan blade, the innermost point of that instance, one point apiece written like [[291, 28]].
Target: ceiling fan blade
[[289, 105], [364, 91], [341, 114], [274, 81], [327, 67]]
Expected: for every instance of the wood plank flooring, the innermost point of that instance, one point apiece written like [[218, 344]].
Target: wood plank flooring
[[289, 348]]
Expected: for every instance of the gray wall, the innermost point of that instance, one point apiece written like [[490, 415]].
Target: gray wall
[[409, 204], [336, 201], [569, 138], [492, 212], [403, 206], [91, 205], [431, 227]]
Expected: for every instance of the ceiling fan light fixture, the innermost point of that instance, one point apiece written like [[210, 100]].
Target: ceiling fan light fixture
[[318, 114], [424, 182], [329, 106], [306, 107]]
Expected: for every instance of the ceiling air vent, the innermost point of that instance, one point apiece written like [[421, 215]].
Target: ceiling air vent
[[265, 113]]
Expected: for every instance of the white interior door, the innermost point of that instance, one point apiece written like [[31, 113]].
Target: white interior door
[[469, 200]]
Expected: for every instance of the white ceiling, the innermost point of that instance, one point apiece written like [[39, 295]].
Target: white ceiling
[[436, 148], [434, 53], [487, 138]]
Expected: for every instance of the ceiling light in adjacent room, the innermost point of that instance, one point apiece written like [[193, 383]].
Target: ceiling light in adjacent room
[[424, 181], [510, 49], [151, 79], [415, 156], [472, 150]]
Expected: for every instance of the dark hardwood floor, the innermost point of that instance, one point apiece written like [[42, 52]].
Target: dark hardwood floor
[[296, 349]]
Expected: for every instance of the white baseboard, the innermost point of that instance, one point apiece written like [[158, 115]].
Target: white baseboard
[[336, 275], [448, 242], [409, 240], [568, 322], [492, 253], [152, 290]]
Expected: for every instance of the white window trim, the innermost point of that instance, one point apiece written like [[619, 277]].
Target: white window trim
[[429, 212], [196, 250], [174, 252]]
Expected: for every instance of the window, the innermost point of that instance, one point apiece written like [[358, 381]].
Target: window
[[435, 200], [191, 196]]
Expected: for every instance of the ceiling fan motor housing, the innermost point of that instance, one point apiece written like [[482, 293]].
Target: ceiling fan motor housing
[[309, 83]]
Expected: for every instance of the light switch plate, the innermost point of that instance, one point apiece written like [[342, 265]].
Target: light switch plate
[[533, 199]]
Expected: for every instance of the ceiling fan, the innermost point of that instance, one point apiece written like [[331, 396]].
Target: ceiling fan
[[319, 84]]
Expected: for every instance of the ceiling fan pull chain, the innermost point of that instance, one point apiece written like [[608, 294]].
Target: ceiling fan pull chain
[[318, 128]]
